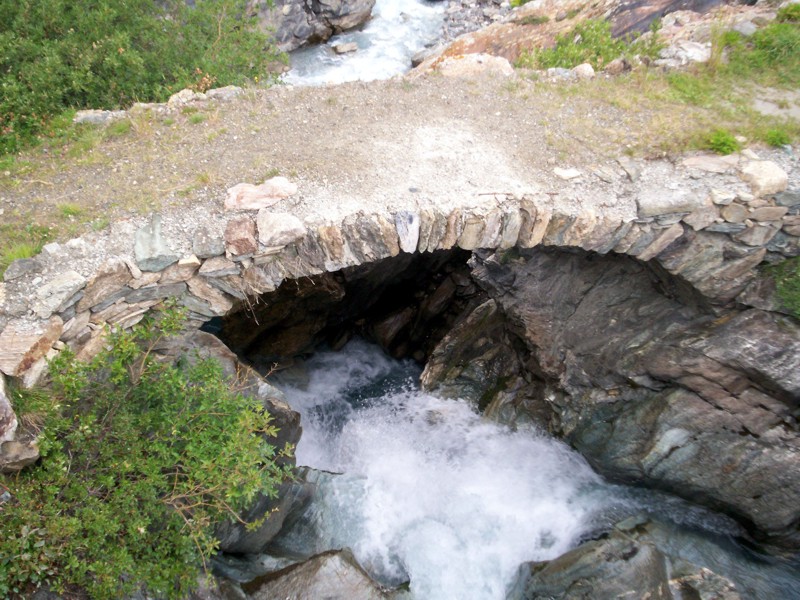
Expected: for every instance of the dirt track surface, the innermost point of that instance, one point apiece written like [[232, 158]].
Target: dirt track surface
[[381, 145]]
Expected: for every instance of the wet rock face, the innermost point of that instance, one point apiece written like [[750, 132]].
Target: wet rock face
[[647, 382], [631, 365], [612, 568], [634, 560], [334, 575], [297, 22]]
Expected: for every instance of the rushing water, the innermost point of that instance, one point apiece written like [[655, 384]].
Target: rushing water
[[432, 493], [397, 30]]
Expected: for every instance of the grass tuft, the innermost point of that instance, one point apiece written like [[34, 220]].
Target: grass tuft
[[533, 20], [722, 141], [118, 128], [18, 243]]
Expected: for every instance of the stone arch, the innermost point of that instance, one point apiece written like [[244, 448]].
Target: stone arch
[[251, 253], [223, 266]]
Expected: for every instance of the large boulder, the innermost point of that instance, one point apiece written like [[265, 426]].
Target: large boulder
[[637, 559], [332, 575], [616, 567], [654, 388], [296, 23]]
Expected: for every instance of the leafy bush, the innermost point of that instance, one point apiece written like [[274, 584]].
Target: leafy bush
[[590, 42], [60, 54], [722, 142], [777, 137], [140, 457]]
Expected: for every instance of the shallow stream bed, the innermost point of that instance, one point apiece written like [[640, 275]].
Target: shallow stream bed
[[397, 30]]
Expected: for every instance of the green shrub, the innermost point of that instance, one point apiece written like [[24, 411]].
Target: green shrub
[[777, 137], [590, 42], [140, 457], [722, 141], [61, 54]]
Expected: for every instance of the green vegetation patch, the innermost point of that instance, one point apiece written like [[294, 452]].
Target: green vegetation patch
[[771, 55], [722, 141], [589, 42], [533, 20], [777, 137], [789, 14], [57, 55], [140, 458], [687, 108], [23, 242]]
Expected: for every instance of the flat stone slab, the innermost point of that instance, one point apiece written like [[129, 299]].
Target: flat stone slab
[[151, 249], [22, 344], [654, 201], [711, 163], [57, 293], [279, 229], [246, 196], [8, 420]]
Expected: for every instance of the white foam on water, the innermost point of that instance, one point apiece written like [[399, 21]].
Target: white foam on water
[[433, 492], [397, 30]]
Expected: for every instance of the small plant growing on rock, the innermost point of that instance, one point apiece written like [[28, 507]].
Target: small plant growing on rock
[[722, 141], [787, 282], [205, 81], [140, 458], [533, 20], [22, 242]]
